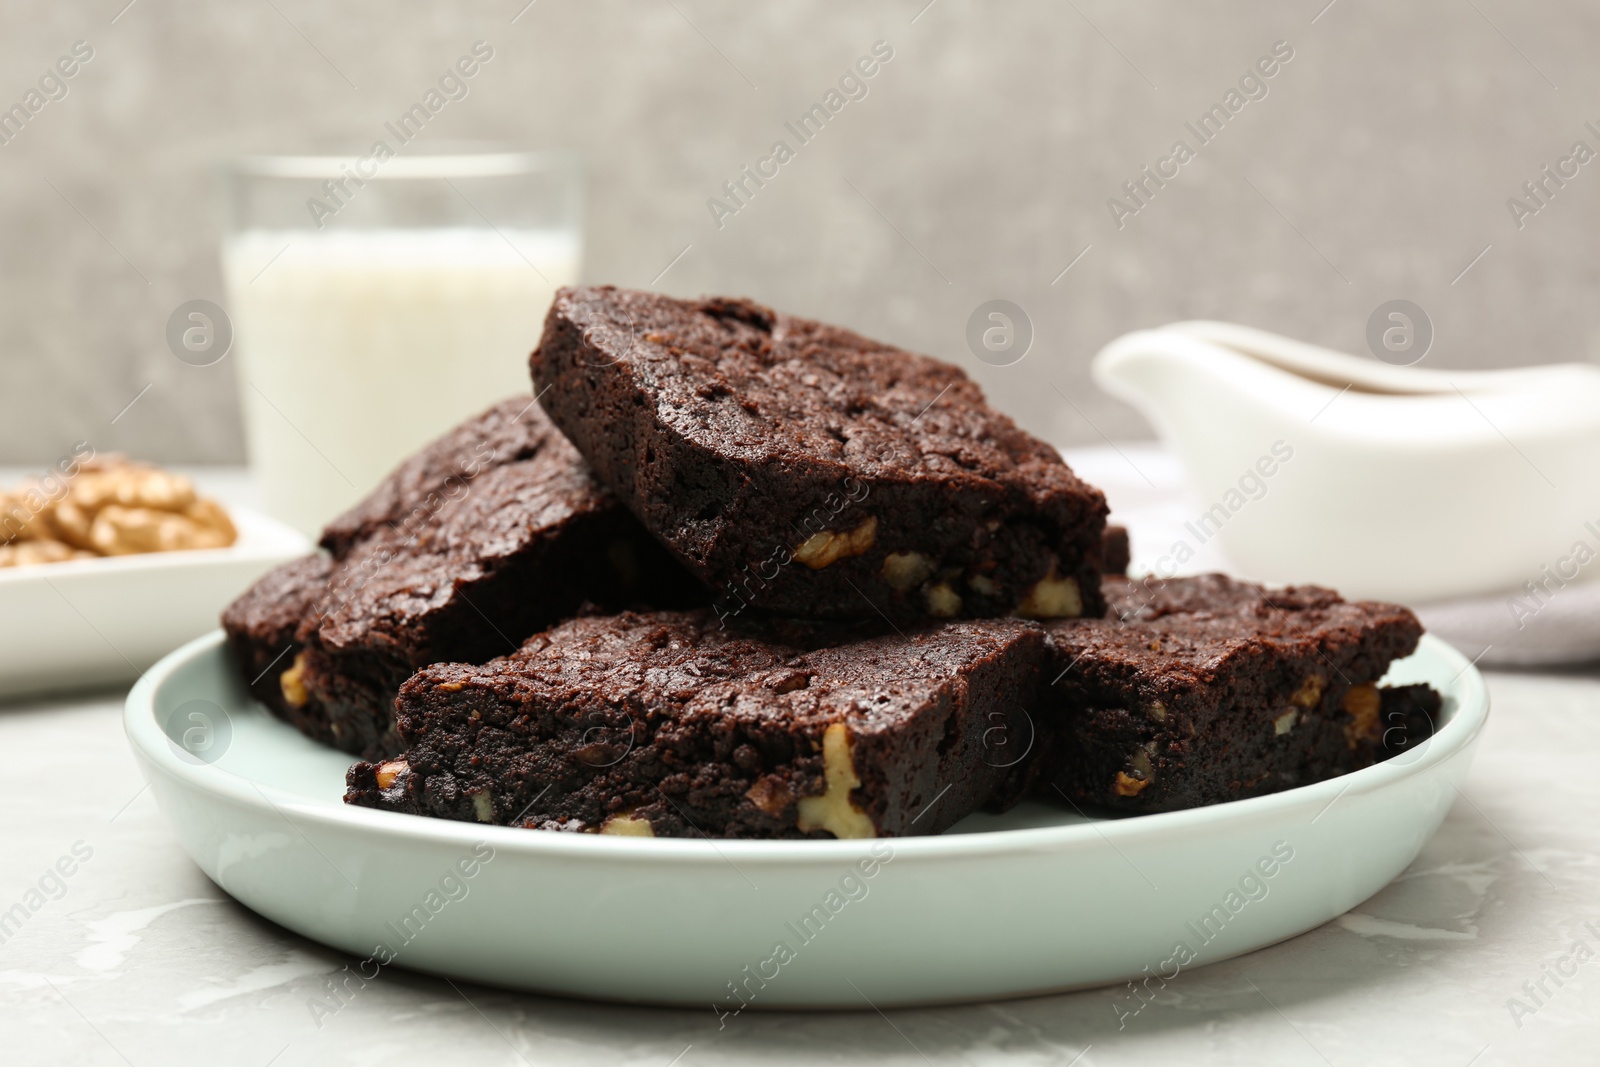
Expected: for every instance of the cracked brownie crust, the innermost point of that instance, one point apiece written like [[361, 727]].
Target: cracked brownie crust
[[805, 470], [530, 543], [488, 535], [666, 724], [1199, 690]]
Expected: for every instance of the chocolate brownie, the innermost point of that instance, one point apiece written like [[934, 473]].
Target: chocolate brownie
[[261, 626], [531, 542], [512, 430], [1198, 690], [667, 724], [1114, 551], [802, 469]]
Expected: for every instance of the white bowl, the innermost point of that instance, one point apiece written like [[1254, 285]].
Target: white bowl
[[1033, 901], [94, 622]]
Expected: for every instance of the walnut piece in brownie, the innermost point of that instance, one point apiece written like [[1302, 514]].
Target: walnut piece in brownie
[[666, 724], [1199, 690], [802, 469], [260, 628]]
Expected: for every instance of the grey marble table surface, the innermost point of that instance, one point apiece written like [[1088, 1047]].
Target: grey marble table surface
[[1481, 953]]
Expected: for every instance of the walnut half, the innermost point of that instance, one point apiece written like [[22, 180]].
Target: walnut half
[[292, 682], [626, 824], [833, 810], [1052, 597], [1143, 772], [821, 549], [389, 772], [904, 571], [1361, 703]]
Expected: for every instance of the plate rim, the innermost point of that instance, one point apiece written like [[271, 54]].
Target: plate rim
[[153, 747]]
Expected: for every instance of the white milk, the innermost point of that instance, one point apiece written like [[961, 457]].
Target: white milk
[[357, 347]]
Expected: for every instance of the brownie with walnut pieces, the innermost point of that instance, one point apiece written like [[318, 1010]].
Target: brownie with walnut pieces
[[532, 542], [490, 534], [802, 469], [667, 724], [260, 628], [1194, 691]]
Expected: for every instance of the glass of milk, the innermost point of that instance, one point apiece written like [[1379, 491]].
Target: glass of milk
[[379, 299]]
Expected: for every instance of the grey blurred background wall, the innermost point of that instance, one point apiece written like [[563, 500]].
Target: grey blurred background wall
[[979, 166]]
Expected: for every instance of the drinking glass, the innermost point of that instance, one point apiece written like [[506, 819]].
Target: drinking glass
[[378, 299]]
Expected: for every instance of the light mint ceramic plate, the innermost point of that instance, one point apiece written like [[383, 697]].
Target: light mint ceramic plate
[[1034, 901]]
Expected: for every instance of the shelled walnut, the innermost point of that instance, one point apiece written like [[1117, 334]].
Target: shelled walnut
[[108, 507]]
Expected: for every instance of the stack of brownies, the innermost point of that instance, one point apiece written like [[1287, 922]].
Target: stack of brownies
[[741, 574]]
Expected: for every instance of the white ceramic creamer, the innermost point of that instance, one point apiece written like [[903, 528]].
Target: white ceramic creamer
[[1399, 483]]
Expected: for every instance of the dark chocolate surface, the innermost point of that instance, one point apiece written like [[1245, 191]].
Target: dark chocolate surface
[[528, 544], [1197, 690], [489, 534], [802, 469], [669, 719]]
